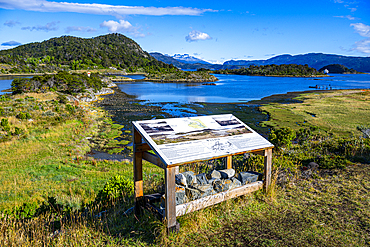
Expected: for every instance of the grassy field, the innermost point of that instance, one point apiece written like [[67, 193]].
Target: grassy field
[[325, 206], [48, 158], [338, 112]]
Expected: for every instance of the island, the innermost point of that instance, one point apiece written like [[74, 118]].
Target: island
[[338, 69], [285, 70]]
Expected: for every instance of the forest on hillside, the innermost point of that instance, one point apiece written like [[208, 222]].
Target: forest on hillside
[[114, 51], [273, 70]]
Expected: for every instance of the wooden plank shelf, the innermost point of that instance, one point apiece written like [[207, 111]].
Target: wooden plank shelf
[[207, 201]]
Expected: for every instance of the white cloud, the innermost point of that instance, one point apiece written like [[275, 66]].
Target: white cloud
[[362, 29], [80, 29], [196, 35], [122, 26], [363, 46], [51, 26], [349, 17], [114, 26], [94, 8]]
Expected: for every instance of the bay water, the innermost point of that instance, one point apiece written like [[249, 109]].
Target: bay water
[[230, 88]]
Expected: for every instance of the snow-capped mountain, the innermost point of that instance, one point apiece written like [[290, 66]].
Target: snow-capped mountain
[[186, 58]]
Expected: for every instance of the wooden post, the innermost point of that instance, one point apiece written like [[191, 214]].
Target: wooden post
[[138, 174], [267, 170], [177, 170], [229, 162], [170, 214]]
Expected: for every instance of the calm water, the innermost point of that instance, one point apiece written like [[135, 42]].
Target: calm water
[[238, 88], [229, 88], [6, 81]]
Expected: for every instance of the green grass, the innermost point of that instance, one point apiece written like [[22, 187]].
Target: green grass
[[48, 160], [330, 207], [338, 112]]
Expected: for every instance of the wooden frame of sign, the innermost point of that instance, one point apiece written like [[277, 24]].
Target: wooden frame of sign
[[180, 141]]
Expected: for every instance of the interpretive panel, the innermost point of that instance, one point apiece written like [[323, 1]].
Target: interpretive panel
[[182, 140]]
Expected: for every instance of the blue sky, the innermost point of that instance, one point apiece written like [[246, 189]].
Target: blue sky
[[215, 31]]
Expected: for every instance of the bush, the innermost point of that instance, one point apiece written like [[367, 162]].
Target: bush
[[26, 211], [70, 108], [332, 162], [23, 115], [116, 188], [282, 137], [17, 131], [4, 98], [62, 99], [5, 124]]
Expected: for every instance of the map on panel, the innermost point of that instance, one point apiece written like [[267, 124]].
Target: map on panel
[[179, 140]]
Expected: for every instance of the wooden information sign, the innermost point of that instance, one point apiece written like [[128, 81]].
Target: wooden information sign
[[179, 141]]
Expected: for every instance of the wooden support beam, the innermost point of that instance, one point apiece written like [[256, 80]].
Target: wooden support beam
[[154, 159], [229, 162], [138, 174], [216, 198], [260, 152], [267, 168], [141, 147], [170, 213]]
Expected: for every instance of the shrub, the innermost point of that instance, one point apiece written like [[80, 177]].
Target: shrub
[[5, 124], [4, 98], [62, 99], [23, 115], [116, 188], [282, 137], [70, 108], [17, 131], [332, 162], [26, 211]]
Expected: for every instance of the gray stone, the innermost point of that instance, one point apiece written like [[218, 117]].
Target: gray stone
[[205, 190], [180, 195], [192, 193], [227, 173], [312, 165], [202, 179], [180, 179], [190, 177], [213, 180], [235, 183], [247, 177], [214, 174], [222, 185]]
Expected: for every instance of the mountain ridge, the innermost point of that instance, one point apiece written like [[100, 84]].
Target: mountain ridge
[[314, 60]]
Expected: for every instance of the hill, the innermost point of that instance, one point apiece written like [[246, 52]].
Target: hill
[[291, 70], [314, 60], [67, 52], [338, 69]]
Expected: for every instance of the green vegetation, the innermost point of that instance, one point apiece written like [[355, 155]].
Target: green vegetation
[[273, 70], [338, 69], [72, 53], [53, 195], [62, 82], [180, 76], [113, 52], [338, 112]]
